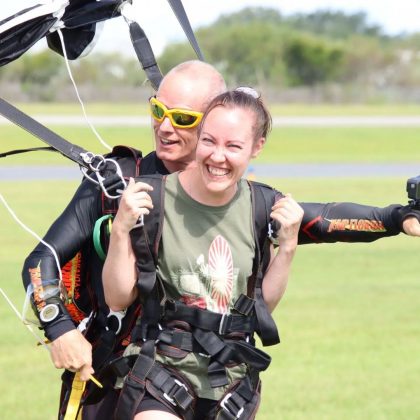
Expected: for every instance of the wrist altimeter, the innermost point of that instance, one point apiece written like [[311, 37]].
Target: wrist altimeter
[[50, 313]]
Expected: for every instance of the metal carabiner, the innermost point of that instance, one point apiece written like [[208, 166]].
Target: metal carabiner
[[89, 158], [118, 172]]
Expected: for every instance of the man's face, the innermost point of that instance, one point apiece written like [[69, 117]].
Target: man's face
[[176, 146]]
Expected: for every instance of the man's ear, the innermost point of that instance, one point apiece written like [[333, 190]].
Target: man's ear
[[258, 146]]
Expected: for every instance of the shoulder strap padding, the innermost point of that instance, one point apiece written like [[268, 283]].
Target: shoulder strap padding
[[263, 198], [145, 239]]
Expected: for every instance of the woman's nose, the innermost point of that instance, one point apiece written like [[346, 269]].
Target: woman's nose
[[218, 154]]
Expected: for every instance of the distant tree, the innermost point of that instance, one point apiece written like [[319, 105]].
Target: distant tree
[[250, 15], [368, 61], [40, 68], [310, 61], [245, 46], [335, 24]]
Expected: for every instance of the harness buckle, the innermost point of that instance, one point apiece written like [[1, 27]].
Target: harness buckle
[[170, 399], [223, 405], [118, 316], [223, 324]]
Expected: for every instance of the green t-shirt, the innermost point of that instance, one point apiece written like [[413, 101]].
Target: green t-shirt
[[206, 252], [205, 258]]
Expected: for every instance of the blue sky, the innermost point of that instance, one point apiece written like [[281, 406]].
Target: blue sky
[[156, 17]]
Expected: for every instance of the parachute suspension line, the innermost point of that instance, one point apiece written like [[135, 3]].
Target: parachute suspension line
[[13, 214], [38, 338], [106, 145]]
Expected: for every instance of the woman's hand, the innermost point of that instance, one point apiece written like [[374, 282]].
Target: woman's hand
[[288, 213], [135, 202]]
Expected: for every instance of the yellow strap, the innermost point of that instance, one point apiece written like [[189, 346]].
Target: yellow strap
[[77, 388]]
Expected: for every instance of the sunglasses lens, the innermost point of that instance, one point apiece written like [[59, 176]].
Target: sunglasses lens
[[184, 119], [157, 111]]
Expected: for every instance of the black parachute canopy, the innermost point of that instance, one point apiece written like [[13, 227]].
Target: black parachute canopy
[[80, 19], [77, 19], [25, 33]]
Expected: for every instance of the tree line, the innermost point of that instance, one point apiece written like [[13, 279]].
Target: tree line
[[255, 46]]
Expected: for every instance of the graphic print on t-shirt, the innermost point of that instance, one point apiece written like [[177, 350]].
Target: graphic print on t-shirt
[[211, 286], [221, 274]]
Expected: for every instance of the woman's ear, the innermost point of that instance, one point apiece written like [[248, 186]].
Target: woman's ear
[[258, 146]]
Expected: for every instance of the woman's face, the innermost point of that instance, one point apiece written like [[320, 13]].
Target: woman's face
[[225, 147]]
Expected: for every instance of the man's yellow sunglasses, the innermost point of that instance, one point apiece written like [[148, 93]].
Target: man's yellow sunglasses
[[180, 118]]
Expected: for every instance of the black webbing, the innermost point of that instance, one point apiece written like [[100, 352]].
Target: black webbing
[[178, 9], [241, 402], [145, 54], [45, 134], [135, 383], [170, 388], [211, 321], [263, 200]]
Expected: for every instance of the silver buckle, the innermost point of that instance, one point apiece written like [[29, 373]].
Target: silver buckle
[[171, 400], [223, 405], [168, 398]]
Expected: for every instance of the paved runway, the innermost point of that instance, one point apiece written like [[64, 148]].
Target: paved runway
[[298, 170], [290, 121], [259, 170]]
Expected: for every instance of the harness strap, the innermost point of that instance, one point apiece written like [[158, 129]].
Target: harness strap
[[222, 352], [263, 199], [241, 402], [143, 239], [174, 391], [146, 373], [222, 324], [182, 17], [145, 265], [244, 305], [134, 386], [48, 136], [145, 54], [180, 339], [267, 327]]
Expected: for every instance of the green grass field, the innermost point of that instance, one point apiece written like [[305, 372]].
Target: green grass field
[[285, 144], [349, 321], [276, 109]]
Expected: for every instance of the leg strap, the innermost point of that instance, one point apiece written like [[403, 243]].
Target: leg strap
[[172, 389], [241, 402], [160, 382], [134, 386]]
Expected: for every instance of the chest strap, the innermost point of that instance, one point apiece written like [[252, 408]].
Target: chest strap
[[221, 324]]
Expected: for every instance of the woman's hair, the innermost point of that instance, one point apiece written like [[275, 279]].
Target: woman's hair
[[246, 98]]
